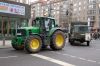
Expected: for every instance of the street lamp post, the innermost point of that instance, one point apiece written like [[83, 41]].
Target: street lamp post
[[49, 8], [70, 15]]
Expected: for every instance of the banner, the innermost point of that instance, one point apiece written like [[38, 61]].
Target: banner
[[12, 8]]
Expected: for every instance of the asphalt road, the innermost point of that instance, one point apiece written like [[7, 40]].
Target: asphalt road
[[69, 56]]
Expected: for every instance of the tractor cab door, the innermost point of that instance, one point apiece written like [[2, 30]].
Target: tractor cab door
[[49, 24], [45, 24]]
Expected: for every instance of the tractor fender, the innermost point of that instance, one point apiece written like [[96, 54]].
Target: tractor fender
[[36, 34], [17, 41], [52, 31]]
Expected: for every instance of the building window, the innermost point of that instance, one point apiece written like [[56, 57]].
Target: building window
[[79, 8], [75, 4], [75, 9], [92, 1], [99, 11], [21, 1], [84, 2], [92, 18], [92, 12], [93, 6], [80, 3], [84, 7], [92, 23], [99, 21]]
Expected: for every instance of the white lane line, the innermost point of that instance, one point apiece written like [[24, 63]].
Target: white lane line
[[95, 49], [91, 61], [82, 59], [8, 57], [78, 57], [52, 60]]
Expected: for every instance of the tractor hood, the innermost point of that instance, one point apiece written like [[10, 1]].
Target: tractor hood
[[31, 29], [27, 28]]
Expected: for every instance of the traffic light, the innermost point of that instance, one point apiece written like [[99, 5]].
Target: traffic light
[[67, 12]]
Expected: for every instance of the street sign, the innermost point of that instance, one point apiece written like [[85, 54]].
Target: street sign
[[88, 21]]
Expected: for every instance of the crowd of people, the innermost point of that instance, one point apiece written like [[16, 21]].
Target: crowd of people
[[96, 35]]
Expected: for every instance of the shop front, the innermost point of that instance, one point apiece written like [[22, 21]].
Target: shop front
[[12, 16]]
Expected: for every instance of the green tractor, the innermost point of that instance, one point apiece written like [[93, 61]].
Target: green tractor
[[44, 32]]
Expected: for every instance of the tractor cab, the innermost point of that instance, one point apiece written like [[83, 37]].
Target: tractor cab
[[44, 23]]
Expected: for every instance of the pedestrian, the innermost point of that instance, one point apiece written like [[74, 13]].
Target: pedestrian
[[95, 35], [98, 35]]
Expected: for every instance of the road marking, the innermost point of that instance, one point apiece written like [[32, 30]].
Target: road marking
[[91, 61], [8, 57], [77, 57], [82, 59], [52, 60], [95, 49]]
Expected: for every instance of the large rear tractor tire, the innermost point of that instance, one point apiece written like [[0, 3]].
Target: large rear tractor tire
[[33, 44], [57, 40], [16, 47]]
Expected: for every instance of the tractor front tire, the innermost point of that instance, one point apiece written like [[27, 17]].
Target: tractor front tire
[[57, 40], [33, 44], [21, 47]]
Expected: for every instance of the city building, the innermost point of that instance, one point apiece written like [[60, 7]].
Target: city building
[[21, 1], [51, 8], [87, 11], [12, 16]]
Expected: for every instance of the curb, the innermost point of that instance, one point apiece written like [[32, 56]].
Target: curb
[[4, 47]]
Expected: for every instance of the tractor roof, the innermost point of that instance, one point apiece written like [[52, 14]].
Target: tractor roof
[[46, 17]]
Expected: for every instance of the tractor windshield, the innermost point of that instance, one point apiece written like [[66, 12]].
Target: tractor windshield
[[36, 22], [44, 23]]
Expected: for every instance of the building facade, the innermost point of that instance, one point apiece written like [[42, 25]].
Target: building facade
[[51, 8], [21, 1], [87, 9], [12, 16]]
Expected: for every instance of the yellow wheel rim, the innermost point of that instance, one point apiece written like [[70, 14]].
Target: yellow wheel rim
[[59, 40], [34, 44]]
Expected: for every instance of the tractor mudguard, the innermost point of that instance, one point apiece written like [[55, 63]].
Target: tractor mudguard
[[53, 30], [36, 34]]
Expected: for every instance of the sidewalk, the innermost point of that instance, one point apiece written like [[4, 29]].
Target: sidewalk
[[7, 44]]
